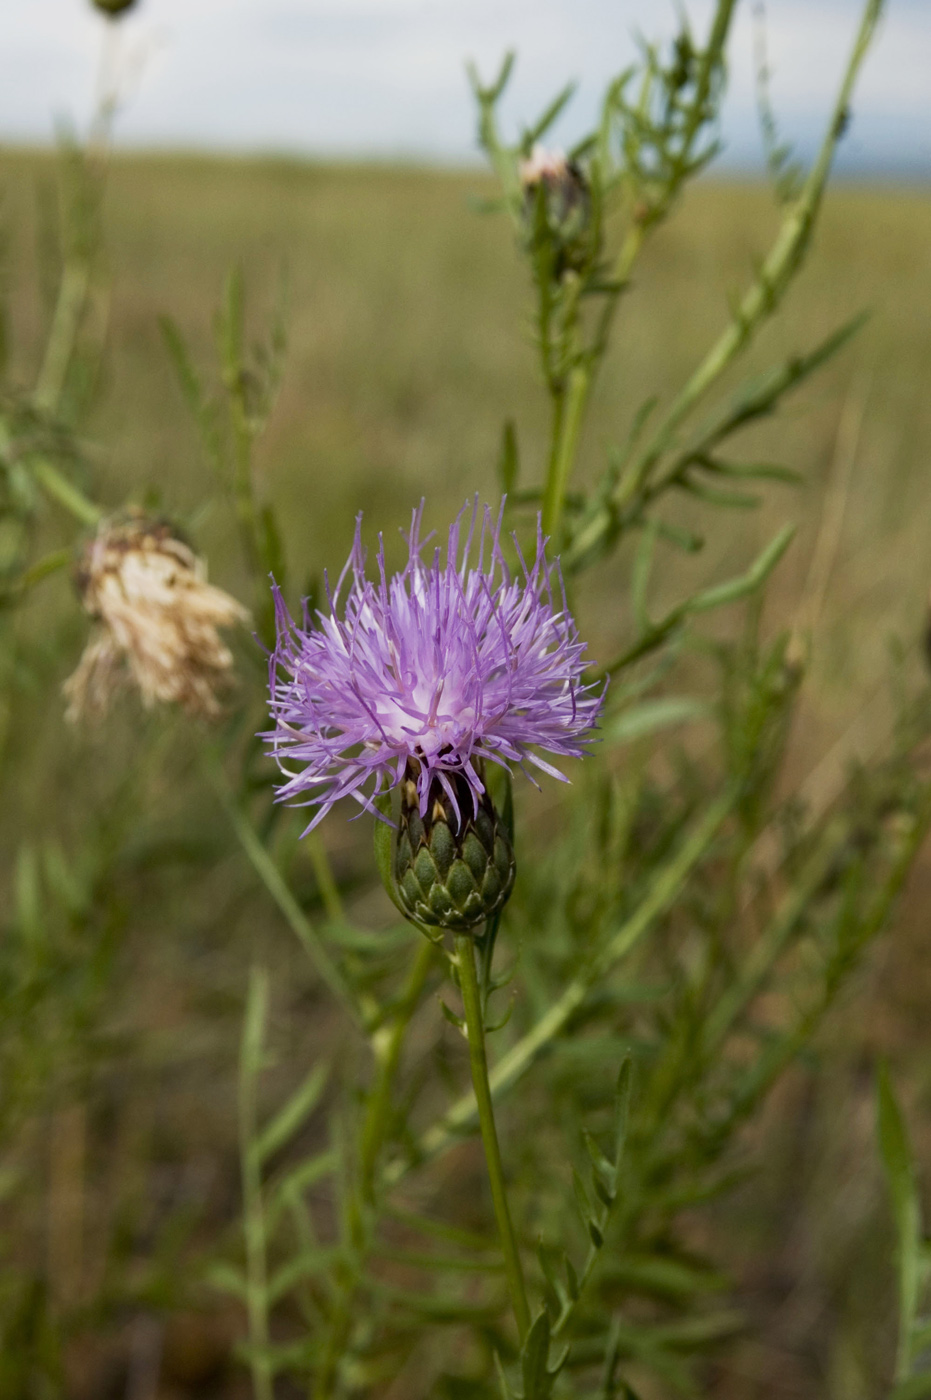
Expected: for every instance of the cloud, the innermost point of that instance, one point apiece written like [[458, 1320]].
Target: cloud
[[387, 76]]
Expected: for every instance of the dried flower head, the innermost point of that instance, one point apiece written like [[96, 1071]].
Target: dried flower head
[[422, 678], [157, 621]]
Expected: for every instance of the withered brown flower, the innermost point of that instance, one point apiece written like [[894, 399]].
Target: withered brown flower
[[157, 620]]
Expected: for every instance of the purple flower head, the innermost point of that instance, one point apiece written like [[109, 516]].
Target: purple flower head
[[441, 667]]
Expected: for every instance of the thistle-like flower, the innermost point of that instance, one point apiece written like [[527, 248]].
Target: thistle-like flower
[[157, 621], [421, 680]]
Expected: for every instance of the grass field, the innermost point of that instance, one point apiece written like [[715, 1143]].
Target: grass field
[[409, 345]]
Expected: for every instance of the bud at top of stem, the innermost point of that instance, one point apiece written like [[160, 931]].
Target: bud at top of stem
[[113, 9], [453, 868]]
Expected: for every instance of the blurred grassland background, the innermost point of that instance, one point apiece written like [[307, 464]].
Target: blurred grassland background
[[403, 363]]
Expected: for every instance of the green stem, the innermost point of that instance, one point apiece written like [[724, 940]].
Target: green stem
[[250, 1065], [566, 428], [326, 881], [475, 1027], [571, 403], [66, 322]]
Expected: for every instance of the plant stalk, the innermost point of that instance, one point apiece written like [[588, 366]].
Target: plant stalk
[[475, 1027], [253, 1207], [567, 426]]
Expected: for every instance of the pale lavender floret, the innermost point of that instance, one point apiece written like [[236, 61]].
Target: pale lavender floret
[[442, 663]]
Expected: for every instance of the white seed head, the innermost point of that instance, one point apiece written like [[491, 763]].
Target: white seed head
[[157, 620]]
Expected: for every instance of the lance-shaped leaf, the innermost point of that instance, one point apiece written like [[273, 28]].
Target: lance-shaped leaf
[[292, 1116]]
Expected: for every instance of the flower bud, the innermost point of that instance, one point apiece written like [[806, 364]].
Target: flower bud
[[113, 9], [452, 870], [557, 206]]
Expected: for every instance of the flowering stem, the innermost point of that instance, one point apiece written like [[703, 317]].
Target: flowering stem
[[250, 1066], [475, 1028], [759, 302], [566, 437], [69, 309]]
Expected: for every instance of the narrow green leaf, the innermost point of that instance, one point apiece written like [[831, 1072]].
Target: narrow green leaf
[[603, 1190], [434, 1308], [303, 1266], [509, 461], [542, 125], [253, 1036], [305, 1175], [226, 1279], [28, 894], [921, 1337], [491, 94], [731, 500], [63, 881], [572, 1280], [622, 1108], [915, 1388], [231, 328], [440, 1230], [664, 1277], [442, 1263], [557, 1287], [184, 368], [640, 578], [501, 792], [581, 1198], [289, 1119], [383, 837], [504, 1385], [752, 471], [639, 720], [603, 1168], [900, 1178], [534, 1359], [272, 546], [450, 1015], [757, 574], [612, 1356]]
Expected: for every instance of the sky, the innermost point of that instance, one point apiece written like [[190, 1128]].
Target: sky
[[386, 78]]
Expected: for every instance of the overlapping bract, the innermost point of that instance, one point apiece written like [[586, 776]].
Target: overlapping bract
[[443, 666]]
